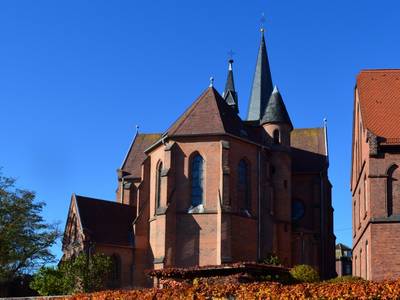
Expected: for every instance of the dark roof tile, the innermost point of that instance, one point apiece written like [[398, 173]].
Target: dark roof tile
[[106, 222]]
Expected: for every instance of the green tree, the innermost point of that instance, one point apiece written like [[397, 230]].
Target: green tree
[[82, 274], [49, 281], [25, 238]]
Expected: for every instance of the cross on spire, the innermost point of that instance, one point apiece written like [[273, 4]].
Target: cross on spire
[[231, 54], [262, 21]]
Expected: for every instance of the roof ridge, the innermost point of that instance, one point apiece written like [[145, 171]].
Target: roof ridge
[[99, 200]]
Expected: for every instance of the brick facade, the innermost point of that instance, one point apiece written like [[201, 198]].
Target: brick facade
[[374, 184]]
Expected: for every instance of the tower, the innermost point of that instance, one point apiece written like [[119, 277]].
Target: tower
[[276, 121]]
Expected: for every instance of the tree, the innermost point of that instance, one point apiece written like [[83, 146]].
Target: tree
[[82, 274], [25, 238]]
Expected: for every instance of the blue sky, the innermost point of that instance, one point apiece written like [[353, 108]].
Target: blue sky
[[77, 76]]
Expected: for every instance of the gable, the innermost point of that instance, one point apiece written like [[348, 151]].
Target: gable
[[73, 232]]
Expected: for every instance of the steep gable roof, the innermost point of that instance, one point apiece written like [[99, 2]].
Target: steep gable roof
[[136, 156], [209, 114], [379, 95], [106, 222], [276, 112]]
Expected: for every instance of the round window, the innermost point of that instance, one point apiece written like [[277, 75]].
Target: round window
[[297, 210]]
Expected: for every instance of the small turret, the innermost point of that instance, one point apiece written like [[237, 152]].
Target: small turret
[[276, 120], [230, 95]]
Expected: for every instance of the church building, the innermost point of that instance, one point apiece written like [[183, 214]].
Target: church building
[[375, 175], [214, 189]]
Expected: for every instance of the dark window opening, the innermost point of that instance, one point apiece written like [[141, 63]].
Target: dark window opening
[[244, 185], [158, 185], [276, 136], [197, 180]]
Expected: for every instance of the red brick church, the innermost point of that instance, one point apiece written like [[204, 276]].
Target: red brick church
[[214, 189]]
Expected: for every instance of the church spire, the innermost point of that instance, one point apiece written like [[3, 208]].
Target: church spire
[[230, 95], [262, 84]]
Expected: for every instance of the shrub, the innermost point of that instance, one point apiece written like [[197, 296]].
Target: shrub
[[272, 259], [304, 273], [347, 278]]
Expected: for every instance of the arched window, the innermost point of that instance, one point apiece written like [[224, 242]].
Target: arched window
[[244, 185], [392, 191], [158, 184], [276, 136], [197, 169], [116, 268]]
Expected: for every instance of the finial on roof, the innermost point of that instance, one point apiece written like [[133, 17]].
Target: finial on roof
[[137, 129], [230, 65], [275, 91], [211, 81]]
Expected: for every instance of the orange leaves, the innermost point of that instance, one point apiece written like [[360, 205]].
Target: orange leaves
[[262, 290]]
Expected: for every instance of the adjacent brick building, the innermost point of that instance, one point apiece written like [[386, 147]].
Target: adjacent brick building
[[214, 189], [343, 260], [375, 175]]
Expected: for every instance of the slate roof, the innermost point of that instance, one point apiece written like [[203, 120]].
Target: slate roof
[[276, 112], [262, 84], [210, 114], [136, 156], [106, 222], [308, 150], [379, 94]]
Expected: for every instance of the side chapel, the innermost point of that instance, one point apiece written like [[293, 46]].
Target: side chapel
[[214, 189]]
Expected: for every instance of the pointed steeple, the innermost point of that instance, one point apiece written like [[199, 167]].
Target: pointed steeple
[[262, 84], [275, 112], [230, 95]]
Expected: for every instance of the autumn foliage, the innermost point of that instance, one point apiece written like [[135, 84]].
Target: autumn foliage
[[264, 290]]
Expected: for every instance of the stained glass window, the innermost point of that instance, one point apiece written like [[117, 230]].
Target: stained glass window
[[197, 180], [243, 184]]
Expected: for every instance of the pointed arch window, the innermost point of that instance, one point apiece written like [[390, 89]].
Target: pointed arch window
[[392, 191], [197, 177], [244, 185], [116, 269], [158, 184], [276, 136]]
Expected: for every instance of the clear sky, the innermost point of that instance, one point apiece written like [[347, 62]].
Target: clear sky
[[77, 76]]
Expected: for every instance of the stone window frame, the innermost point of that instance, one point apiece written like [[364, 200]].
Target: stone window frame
[[158, 185], [389, 189]]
